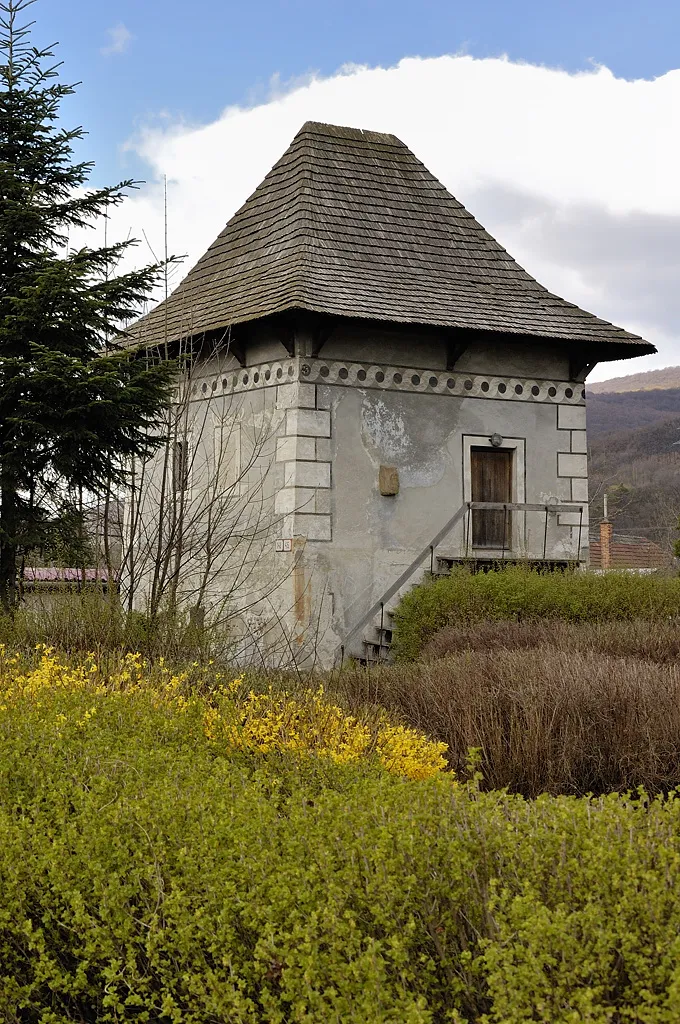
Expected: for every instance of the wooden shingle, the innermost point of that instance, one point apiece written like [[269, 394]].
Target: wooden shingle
[[351, 223]]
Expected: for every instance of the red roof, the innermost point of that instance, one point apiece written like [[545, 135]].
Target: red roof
[[631, 553], [54, 574]]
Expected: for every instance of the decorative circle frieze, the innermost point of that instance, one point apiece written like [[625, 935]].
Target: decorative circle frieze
[[393, 378]]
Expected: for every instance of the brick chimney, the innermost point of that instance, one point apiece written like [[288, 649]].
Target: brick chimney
[[606, 530]]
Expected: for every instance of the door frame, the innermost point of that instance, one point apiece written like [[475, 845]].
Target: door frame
[[517, 445]]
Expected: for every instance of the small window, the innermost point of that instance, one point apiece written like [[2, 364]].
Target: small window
[[180, 466]]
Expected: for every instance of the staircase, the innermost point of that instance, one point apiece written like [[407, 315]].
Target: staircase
[[377, 637], [376, 626], [377, 641]]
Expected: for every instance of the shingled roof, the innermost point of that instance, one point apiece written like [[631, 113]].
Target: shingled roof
[[351, 223]]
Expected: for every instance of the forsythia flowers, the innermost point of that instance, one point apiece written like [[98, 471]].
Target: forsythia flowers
[[313, 725], [304, 725]]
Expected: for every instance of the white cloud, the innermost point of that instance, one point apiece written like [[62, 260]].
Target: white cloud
[[120, 38], [575, 174]]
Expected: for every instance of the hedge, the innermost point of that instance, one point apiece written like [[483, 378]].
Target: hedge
[[519, 593], [149, 874]]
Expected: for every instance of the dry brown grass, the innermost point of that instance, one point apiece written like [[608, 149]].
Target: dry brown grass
[[547, 718], [640, 638]]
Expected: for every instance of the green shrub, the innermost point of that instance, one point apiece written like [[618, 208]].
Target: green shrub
[[86, 621], [145, 877], [519, 593], [173, 635], [92, 620]]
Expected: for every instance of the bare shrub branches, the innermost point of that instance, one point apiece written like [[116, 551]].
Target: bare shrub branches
[[201, 520], [551, 706]]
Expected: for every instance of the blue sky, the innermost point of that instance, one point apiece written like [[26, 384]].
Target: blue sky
[[566, 151], [188, 61]]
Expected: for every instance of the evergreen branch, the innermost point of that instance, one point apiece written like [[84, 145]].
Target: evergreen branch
[[72, 413]]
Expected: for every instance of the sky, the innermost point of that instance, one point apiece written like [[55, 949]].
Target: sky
[[555, 123]]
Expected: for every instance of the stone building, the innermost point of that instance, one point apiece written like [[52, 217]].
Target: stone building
[[418, 397]]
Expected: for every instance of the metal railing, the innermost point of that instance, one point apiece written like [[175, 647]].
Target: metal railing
[[429, 550], [522, 506]]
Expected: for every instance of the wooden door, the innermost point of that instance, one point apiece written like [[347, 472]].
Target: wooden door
[[491, 481]]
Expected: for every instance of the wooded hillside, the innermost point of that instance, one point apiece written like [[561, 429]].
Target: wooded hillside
[[634, 453], [668, 377]]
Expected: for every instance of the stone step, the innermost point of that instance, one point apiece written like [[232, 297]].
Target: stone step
[[376, 634], [375, 650], [377, 640]]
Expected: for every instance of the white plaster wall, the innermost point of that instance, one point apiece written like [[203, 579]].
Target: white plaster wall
[[372, 343], [231, 520], [314, 487], [419, 349], [264, 349], [424, 437], [521, 359]]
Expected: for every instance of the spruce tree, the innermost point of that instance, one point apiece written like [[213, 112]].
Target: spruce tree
[[75, 405]]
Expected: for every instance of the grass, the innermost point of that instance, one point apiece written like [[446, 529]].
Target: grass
[[93, 621]]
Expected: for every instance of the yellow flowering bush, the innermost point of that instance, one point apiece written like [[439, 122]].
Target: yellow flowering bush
[[271, 721], [148, 875], [232, 717]]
